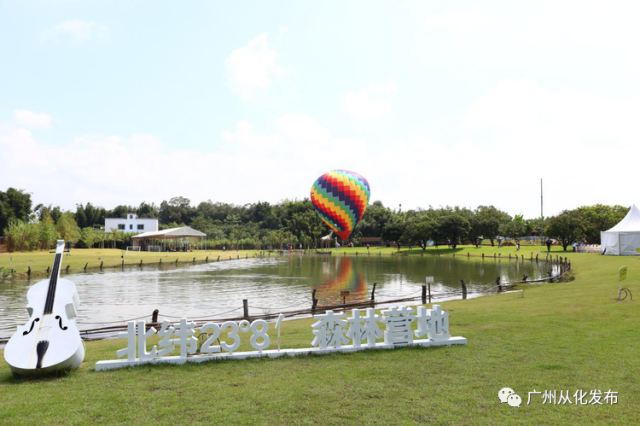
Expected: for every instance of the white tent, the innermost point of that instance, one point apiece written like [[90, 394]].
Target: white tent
[[624, 238]]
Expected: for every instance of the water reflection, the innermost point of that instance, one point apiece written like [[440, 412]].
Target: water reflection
[[270, 284], [341, 276]]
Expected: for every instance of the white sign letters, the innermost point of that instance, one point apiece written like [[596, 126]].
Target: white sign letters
[[333, 332]]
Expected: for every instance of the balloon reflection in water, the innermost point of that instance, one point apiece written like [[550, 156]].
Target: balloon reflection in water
[[346, 278]]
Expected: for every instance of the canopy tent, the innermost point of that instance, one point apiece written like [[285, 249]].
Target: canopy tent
[[167, 238], [624, 238]]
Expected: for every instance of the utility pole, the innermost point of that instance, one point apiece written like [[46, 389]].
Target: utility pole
[[541, 213]]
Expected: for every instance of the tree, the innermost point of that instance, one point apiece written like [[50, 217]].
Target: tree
[[599, 218], [14, 204], [147, 210], [418, 231], [453, 228], [178, 210], [566, 227], [393, 230], [88, 237], [514, 229], [67, 227], [47, 232], [486, 222]]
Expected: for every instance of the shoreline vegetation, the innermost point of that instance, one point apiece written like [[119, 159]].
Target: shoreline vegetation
[[565, 336]]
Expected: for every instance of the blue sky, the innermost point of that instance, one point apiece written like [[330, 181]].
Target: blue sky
[[456, 103]]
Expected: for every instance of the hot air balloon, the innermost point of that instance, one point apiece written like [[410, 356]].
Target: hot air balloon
[[340, 198]]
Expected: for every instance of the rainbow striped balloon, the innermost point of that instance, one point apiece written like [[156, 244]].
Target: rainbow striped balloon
[[340, 197]]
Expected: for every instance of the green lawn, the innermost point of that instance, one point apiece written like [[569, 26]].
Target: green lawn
[[92, 258], [562, 336]]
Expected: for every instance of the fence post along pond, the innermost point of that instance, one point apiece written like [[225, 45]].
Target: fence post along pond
[[333, 332]]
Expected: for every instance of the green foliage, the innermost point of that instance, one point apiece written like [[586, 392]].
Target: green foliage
[[514, 229], [568, 227], [599, 218], [418, 231], [486, 222], [14, 204], [261, 224], [453, 229], [68, 229], [47, 233]]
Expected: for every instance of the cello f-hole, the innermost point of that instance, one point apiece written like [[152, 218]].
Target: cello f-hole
[[60, 322], [24, 333]]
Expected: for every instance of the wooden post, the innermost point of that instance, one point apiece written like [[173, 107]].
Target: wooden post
[[509, 256], [522, 255], [101, 263], [464, 289], [141, 263], [160, 261], [67, 268], [85, 266], [245, 308], [531, 256], [207, 259], [154, 316], [29, 271], [494, 256], [424, 294], [537, 258], [176, 261], [49, 268], [468, 255], [218, 259], [373, 292], [482, 256], [314, 300]]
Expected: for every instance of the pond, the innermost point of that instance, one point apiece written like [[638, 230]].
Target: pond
[[274, 284]]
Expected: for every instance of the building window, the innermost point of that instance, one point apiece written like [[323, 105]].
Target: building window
[[121, 226], [140, 227], [130, 226]]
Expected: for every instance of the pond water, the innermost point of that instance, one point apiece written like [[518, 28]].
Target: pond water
[[271, 285]]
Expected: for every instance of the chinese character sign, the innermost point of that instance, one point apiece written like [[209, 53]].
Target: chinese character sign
[[332, 331]]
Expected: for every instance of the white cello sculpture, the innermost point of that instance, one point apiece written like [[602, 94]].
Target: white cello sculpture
[[50, 340]]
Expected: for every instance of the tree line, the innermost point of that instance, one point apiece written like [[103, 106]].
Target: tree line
[[263, 225]]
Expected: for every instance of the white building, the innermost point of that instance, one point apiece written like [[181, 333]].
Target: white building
[[132, 224]]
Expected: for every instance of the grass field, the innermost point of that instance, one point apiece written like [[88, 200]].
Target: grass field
[[564, 336], [109, 258]]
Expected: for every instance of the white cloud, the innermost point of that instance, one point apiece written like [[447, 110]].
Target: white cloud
[[519, 130], [31, 118], [81, 30], [370, 102], [253, 68], [110, 170], [563, 116]]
